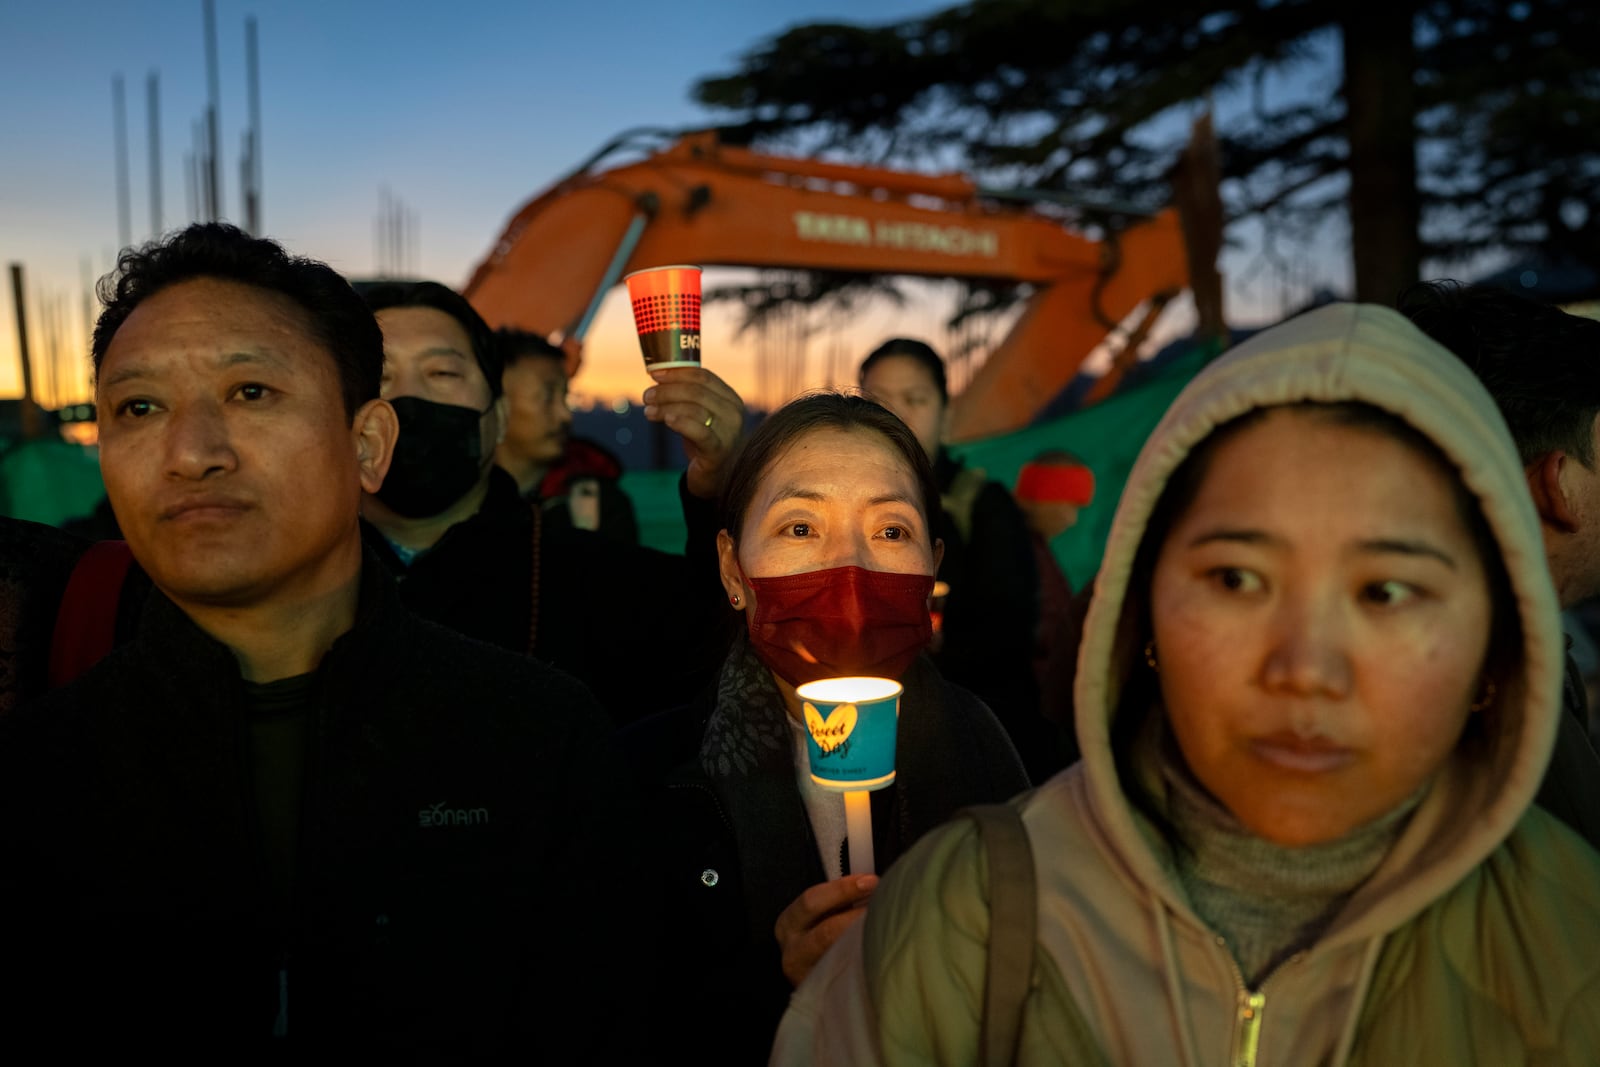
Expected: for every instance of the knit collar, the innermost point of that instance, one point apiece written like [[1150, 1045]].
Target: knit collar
[[1266, 900], [1213, 846], [167, 636]]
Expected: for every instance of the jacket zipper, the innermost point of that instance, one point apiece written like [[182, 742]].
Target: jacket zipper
[[1247, 1019], [307, 834], [1247, 1028], [314, 745], [280, 1024], [243, 761]]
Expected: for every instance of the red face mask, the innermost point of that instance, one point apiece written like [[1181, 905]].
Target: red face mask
[[840, 621]]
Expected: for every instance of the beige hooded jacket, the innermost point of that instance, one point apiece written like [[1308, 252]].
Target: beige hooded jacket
[[1477, 940]]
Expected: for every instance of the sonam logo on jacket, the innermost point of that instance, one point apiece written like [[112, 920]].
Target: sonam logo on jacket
[[441, 815]]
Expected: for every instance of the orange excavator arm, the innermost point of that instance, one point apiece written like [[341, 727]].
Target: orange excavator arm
[[698, 201]]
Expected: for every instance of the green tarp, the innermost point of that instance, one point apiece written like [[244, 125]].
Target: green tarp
[[52, 481], [49, 481]]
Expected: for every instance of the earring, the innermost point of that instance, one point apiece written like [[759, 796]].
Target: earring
[[1150, 656], [734, 600], [1485, 700]]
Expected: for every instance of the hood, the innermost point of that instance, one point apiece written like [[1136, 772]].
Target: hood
[[1370, 354]]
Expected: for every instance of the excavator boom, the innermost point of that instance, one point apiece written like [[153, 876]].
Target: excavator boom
[[698, 201]]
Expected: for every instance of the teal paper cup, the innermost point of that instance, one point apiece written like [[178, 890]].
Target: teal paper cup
[[851, 725]]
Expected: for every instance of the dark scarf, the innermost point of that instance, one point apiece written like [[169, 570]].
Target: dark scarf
[[747, 733], [946, 757]]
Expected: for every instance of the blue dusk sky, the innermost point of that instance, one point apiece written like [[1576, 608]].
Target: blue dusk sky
[[460, 111]]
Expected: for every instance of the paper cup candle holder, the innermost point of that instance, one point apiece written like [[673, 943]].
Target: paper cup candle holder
[[666, 311], [851, 724]]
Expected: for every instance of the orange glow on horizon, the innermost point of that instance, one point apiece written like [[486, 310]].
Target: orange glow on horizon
[[811, 350]]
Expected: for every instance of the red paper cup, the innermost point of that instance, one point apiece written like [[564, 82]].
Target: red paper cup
[[666, 311]]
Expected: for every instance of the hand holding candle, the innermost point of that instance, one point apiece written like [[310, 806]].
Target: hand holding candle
[[814, 920]]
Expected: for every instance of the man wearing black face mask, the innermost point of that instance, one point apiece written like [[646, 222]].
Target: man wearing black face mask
[[441, 372], [472, 555]]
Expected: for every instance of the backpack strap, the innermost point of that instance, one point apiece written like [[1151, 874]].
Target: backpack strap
[[86, 622], [1013, 922]]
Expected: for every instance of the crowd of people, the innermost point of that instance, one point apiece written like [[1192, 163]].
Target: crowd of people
[[377, 730]]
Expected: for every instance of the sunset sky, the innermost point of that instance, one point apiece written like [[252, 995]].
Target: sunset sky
[[461, 112]]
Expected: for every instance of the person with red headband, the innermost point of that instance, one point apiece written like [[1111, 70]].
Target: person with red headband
[[1052, 489], [827, 550]]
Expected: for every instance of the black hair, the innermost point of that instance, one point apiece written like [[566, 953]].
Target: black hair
[[1058, 457], [335, 314], [920, 351], [443, 298], [1541, 365], [820, 411], [517, 345]]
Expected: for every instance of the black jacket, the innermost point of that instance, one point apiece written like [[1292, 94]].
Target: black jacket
[[35, 564], [734, 846], [463, 881], [992, 612], [643, 629], [1571, 787]]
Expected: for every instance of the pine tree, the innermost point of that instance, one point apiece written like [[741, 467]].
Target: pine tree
[[1443, 129]]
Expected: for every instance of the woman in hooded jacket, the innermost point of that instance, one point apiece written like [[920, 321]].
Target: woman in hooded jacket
[[1318, 687]]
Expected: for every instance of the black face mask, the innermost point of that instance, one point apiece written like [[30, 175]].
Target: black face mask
[[436, 460]]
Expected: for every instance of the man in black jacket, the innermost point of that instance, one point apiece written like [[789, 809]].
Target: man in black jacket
[[1542, 366], [289, 816], [643, 629], [574, 480]]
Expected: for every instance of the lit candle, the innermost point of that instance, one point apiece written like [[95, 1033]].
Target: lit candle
[[851, 725]]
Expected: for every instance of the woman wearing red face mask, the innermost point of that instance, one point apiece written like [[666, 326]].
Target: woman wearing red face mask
[[826, 551]]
